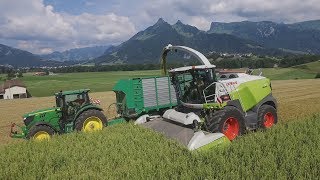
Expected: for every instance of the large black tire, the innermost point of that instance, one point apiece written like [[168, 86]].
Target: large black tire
[[229, 121], [35, 130], [80, 121], [267, 116]]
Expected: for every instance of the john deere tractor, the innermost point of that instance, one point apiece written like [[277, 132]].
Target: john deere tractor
[[73, 111]]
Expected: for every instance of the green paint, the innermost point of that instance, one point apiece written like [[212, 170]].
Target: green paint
[[129, 96], [223, 141], [116, 121], [214, 105], [251, 93]]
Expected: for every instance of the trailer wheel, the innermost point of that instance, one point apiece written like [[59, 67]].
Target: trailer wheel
[[40, 132], [267, 116], [228, 121], [90, 120]]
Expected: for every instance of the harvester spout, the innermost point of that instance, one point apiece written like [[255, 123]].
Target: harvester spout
[[199, 56]]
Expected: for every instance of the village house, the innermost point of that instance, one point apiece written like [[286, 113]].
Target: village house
[[13, 89]]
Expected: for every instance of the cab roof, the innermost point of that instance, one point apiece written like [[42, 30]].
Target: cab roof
[[182, 69], [79, 91]]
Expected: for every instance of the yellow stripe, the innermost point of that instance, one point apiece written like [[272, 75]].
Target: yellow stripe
[[44, 112]]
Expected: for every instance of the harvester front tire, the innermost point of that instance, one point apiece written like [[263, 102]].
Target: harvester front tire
[[40, 132], [90, 120], [267, 116], [229, 121]]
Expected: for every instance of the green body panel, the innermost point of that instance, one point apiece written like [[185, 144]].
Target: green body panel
[[116, 121], [251, 93], [214, 105], [224, 141], [130, 99], [40, 111], [50, 115]]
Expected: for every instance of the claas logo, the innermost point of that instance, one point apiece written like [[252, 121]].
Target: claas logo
[[232, 83]]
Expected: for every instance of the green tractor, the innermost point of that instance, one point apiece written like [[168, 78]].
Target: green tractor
[[73, 111]]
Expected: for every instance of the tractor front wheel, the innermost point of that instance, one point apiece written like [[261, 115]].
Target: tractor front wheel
[[228, 121], [40, 132], [90, 120], [267, 116]]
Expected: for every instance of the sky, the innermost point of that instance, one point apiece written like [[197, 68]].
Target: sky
[[44, 26]]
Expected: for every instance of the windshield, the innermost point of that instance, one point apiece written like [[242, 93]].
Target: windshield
[[190, 84]]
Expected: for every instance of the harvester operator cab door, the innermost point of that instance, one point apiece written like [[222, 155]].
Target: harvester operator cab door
[[190, 84]]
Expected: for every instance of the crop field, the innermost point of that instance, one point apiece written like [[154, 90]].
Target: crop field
[[290, 150], [297, 99]]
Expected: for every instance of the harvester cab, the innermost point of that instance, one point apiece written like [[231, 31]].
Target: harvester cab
[[73, 111], [211, 110]]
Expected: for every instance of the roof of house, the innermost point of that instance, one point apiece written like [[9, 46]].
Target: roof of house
[[10, 83]]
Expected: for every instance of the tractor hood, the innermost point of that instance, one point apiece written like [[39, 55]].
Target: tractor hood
[[41, 111]]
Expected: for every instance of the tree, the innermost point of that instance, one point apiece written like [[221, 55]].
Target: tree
[[20, 75], [11, 74]]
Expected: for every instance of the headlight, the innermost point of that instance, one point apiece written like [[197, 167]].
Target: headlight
[[28, 120]]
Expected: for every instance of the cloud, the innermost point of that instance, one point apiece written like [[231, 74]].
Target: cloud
[[203, 12], [38, 28], [60, 25]]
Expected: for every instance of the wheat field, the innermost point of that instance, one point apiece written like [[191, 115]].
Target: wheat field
[[296, 98]]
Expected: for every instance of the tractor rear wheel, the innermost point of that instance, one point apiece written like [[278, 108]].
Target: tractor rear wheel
[[40, 132], [267, 116], [229, 121], [90, 120]]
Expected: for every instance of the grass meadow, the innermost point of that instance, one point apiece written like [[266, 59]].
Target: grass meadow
[[40, 86]]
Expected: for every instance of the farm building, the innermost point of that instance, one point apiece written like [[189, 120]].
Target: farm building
[[13, 89], [40, 74]]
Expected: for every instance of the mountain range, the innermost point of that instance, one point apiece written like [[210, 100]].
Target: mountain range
[[78, 54], [301, 37], [146, 46], [262, 38], [20, 58]]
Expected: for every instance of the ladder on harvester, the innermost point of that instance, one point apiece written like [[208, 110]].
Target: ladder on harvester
[[220, 90]]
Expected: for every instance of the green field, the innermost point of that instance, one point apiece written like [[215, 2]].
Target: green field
[[40, 86], [288, 151]]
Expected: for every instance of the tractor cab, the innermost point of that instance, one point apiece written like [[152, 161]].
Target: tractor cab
[[71, 101]]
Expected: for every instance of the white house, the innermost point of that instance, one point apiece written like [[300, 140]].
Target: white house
[[13, 89]]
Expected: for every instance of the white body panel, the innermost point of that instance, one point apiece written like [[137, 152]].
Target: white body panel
[[191, 51], [234, 83], [180, 117]]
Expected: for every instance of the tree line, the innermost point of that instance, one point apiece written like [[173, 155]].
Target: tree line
[[220, 62]]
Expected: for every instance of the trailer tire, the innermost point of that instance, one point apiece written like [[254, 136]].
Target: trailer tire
[[267, 116], [91, 120], [229, 121], [40, 132]]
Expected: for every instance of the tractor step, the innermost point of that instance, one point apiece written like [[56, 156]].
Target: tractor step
[[185, 134]]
